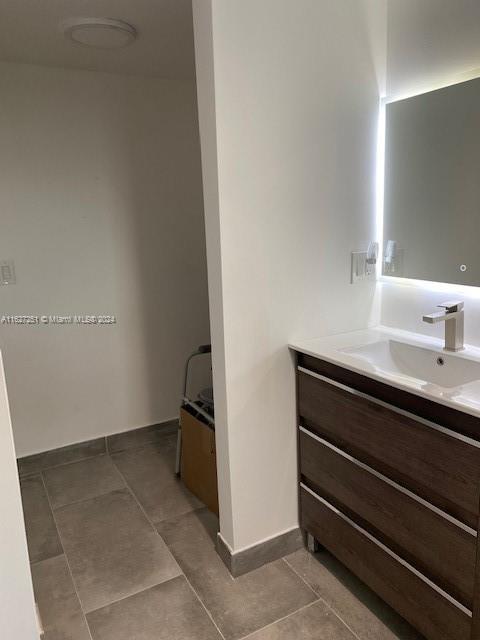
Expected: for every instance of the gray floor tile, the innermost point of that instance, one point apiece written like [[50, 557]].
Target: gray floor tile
[[140, 437], [364, 612], [42, 536], [81, 480], [314, 622], [150, 473], [112, 549], [60, 610], [169, 611], [238, 606], [71, 453]]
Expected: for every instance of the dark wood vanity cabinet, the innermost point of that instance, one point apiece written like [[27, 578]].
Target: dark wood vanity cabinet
[[389, 483]]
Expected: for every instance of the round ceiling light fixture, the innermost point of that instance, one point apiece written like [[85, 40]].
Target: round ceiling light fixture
[[100, 33]]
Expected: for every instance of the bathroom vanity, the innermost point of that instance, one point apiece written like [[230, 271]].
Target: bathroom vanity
[[389, 470]]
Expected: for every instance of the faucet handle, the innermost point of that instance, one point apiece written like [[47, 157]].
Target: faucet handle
[[451, 306]]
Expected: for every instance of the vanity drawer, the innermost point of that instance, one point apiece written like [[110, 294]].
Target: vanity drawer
[[437, 546], [439, 465], [424, 605]]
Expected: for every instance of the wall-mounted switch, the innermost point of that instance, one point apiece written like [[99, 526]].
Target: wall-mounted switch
[[361, 269], [7, 272]]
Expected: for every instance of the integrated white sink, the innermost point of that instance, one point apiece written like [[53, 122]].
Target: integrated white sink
[[400, 359], [408, 361]]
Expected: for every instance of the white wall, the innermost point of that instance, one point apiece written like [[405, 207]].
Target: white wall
[[208, 138], [292, 89], [17, 611], [101, 209]]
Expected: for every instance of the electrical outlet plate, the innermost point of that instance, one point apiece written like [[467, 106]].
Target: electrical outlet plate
[[7, 272], [359, 268]]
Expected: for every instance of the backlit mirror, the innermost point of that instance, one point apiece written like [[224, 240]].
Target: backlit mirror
[[432, 186]]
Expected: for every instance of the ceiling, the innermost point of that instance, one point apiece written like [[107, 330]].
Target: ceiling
[[431, 42], [30, 33], [428, 40]]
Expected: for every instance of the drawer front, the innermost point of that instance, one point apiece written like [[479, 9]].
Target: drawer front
[[426, 607], [452, 418], [436, 545], [436, 464]]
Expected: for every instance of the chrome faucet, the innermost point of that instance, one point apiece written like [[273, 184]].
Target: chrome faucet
[[452, 315]]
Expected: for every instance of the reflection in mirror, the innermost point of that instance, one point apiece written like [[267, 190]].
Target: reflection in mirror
[[432, 186]]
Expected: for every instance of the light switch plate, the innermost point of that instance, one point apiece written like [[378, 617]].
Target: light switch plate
[[7, 272], [359, 268]]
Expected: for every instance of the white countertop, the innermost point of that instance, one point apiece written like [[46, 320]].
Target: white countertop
[[464, 398]]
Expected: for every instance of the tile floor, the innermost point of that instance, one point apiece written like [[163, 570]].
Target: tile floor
[[120, 550]]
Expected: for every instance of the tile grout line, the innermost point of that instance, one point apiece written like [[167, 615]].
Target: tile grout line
[[34, 564], [301, 577], [159, 437], [171, 431], [270, 624], [77, 502], [66, 558], [144, 445], [107, 451], [130, 490], [306, 606], [202, 604], [56, 466], [131, 595], [320, 599]]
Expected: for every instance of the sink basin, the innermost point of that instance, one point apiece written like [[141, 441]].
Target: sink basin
[[401, 360]]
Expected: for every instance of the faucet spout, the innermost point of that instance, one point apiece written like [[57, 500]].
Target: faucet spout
[[453, 316], [434, 318]]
